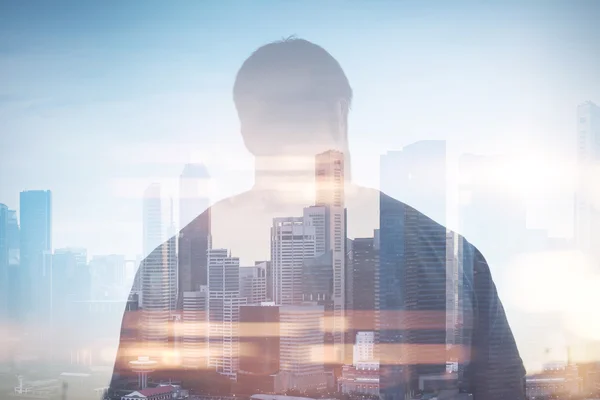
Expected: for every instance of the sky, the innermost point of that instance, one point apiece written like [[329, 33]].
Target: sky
[[99, 99]]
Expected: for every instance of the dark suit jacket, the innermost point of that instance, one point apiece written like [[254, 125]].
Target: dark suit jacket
[[413, 285]]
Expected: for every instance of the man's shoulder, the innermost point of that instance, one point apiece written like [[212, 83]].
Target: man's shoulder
[[392, 208]]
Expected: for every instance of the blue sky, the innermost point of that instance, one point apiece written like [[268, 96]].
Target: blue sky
[[98, 99]]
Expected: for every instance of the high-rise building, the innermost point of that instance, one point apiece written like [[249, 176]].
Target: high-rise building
[[195, 329], [413, 296], [153, 228], [108, 277], [3, 265], [158, 277], [259, 346], [194, 223], [424, 287], [364, 347], [292, 242], [455, 311], [364, 288], [587, 207], [330, 180], [491, 217], [14, 268], [253, 283], [417, 176], [71, 281], [35, 246], [301, 354], [194, 194], [223, 311], [268, 266]]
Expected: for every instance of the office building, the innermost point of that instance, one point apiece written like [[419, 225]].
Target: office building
[[253, 283], [108, 277], [455, 301], [35, 247], [330, 181], [158, 279], [195, 329], [364, 347], [364, 288], [71, 281], [3, 265], [360, 378], [417, 176], [492, 216], [14, 267], [194, 193], [292, 242], [587, 201], [301, 352], [194, 235], [259, 348], [223, 311]]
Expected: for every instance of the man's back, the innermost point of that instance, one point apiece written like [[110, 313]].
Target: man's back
[[436, 314]]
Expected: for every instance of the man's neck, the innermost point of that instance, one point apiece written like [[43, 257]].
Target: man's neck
[[286, 179], [290, 180]]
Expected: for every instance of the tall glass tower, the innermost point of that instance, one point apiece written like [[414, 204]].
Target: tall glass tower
[[35, 246]]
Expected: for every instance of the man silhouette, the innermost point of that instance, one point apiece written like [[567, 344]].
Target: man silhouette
[[293, 100]]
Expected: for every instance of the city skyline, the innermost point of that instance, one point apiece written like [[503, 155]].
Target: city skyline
[[193, 107], [410, 209]]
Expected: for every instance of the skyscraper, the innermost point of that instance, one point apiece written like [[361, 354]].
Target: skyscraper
[[3, 265], [108, 276], [490, 216], [194, 224], [259, 348], [330, 179], [292, 242], [587, 207], [365, 285], [253, 283], [195, 328], [35, 246], [301, 354], [223, 311], [417, 176], [194, 193], [158, 276], [14, 268], [71, 281], [153, 229]]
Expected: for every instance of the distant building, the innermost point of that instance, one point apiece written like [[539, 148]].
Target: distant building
[[108, 277], [330, 178], [35, 245], [157, 393], [301, 354], [363, 377], [292, 242], [259, 348], [4, 299], [417, 176], [493, 218], [158, 273], [195, 328], [223, 307], [364, 348], [253, 283], [587, 211], [194, 193]]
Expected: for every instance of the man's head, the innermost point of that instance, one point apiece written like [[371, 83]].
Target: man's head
[[292, 97]]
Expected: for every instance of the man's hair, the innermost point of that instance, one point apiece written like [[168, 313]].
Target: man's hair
[[286, 73]]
